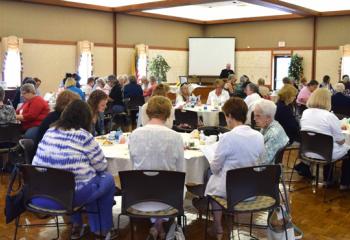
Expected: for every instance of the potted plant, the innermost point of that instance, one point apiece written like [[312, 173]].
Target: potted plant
[[158, 68], [296, 69]]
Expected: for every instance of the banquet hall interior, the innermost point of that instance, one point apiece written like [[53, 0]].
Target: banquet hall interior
[[175, 119]]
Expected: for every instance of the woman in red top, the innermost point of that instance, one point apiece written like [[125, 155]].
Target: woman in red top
[[34, 109]]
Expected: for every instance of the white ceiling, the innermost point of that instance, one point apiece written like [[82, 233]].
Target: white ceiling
[[112, 3], [218, 11], [322, 5]]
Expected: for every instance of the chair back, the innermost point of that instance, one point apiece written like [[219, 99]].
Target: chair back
[[278, 158], [312, 142], [133, 103], [10, 133], [244, 183], [27, 146], [150, 185], [189, 117], [341, 110], [222, 119], [55, 184]]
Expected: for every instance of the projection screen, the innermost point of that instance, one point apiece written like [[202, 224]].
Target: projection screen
[[208, 56]]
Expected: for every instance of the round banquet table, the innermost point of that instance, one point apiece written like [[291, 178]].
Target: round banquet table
[[118, 159], [210, 115]]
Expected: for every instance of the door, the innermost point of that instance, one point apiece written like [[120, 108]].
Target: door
[[281, 66]]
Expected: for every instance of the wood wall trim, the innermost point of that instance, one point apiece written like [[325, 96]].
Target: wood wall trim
[[62, 42], [153, 47], [314, 43], [274, 49], [165, 17], [328, 48], [115, 43]]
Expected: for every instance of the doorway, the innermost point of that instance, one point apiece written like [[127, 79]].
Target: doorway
[[281, 66]]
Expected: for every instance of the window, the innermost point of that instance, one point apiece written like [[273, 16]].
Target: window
[[85, 67], [345, 68], [12, 68]]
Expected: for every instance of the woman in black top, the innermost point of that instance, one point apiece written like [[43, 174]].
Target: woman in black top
[[284, 113], [116, 98]]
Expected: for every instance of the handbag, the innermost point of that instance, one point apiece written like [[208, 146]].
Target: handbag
[[14, 203], [276, 228]]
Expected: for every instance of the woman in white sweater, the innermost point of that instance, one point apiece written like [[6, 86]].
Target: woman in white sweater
[[161, 149]]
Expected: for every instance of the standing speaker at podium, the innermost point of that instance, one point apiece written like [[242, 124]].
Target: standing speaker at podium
[[227, 71]]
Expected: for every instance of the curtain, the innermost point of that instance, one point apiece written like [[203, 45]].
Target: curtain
[[84, 49], [11, 44], [139, 66]]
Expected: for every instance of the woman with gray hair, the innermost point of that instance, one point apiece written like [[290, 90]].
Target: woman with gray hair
[[7, 112], [340, 102], [274, 135], [34, 109]]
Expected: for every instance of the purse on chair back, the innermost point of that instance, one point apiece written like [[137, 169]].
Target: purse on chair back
[[14, 205]]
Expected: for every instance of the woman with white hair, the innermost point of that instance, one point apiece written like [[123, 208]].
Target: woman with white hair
[[274, 135], [340, 102]]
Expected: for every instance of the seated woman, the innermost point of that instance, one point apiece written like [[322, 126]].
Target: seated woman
[[218, 96], [184, 95], [234, 150], [161, 148], [252, 97], [32, 112], [98, 103], [274, 136], [326, 83], [68, 145], [63, 100], [340, 102], [318, 118], [284, 113], [7, 112], [116, 97], [70, 85], [230, 85], [263, 90], [160, 90], [304, 95], [147, 92]]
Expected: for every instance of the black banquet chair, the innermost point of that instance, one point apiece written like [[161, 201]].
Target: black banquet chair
[[132, 105], [260, 183], [185, 121], [321, 144], [165, 187], [54, 184], [27, 146], [9, 136]]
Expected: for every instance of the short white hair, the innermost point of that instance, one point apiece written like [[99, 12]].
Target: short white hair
[[339, 87], [267, 107]]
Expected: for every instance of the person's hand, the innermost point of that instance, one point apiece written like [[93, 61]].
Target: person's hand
[[19, 117]]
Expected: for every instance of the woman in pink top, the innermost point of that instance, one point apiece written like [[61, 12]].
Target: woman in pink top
[[153, 84], [304, 95]]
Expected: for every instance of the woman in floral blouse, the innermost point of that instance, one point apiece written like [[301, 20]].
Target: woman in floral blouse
[[7, 112]]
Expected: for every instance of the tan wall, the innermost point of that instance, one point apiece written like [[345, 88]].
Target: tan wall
[[327, 63], [333, 31], [266, 34], [155, 32], [35, 21]]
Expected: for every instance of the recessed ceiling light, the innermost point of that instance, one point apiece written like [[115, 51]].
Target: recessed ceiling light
[[112, 3], [322, 5], [218, 11]]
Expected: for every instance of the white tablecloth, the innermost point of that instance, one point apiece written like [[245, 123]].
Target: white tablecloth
[[210, 115], [118, 158]]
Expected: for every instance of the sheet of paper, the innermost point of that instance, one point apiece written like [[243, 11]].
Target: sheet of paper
[[209, 151]]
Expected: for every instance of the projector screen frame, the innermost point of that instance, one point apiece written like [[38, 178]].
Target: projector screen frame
[[216, 75]]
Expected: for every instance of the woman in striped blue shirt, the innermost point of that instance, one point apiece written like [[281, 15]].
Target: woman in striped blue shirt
[[69, 145]]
